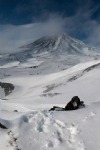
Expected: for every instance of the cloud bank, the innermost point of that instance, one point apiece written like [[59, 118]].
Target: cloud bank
[[12, 37]]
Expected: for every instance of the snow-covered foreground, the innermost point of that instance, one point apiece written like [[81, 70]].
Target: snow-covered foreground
[[42, 130], [31, 125]]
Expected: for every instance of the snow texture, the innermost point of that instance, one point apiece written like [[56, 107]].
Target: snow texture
[[44, 78]]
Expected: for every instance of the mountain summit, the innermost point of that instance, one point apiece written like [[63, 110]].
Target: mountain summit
[[62, 43], [58, 47]]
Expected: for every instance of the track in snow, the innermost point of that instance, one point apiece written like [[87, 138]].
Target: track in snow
[[43, 132]]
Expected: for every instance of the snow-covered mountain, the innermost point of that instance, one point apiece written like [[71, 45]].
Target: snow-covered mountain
[[57, 52], [48, 72], [56, 45]]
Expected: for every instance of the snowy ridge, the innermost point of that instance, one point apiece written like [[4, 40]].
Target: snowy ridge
[[47, 73], [45, 83], [54, 46], [62, 42], [57, 43]]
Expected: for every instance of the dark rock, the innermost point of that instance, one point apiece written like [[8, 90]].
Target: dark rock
[[34, 67], [2, 126], [15, 110], [56, 108], [8, 87], [74, 104]]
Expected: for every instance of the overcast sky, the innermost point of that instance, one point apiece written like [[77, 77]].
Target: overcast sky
[[22, 21]]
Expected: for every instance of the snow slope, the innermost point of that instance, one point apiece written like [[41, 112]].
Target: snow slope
[[34, 127], [42, 80]]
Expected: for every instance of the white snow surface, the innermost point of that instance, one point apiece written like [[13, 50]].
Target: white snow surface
[[35, 127], [40, 86]]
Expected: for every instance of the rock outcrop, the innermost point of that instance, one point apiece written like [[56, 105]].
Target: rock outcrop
[[8, 87]]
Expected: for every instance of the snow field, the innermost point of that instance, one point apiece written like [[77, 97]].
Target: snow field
[[32, 126]]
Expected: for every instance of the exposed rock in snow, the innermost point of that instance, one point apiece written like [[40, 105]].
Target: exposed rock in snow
[[2, 126], [8, 87]]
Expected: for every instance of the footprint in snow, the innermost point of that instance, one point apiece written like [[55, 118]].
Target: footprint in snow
[[49, 144], [92, 114], [74, 141], [13, 140], [52, 133]]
